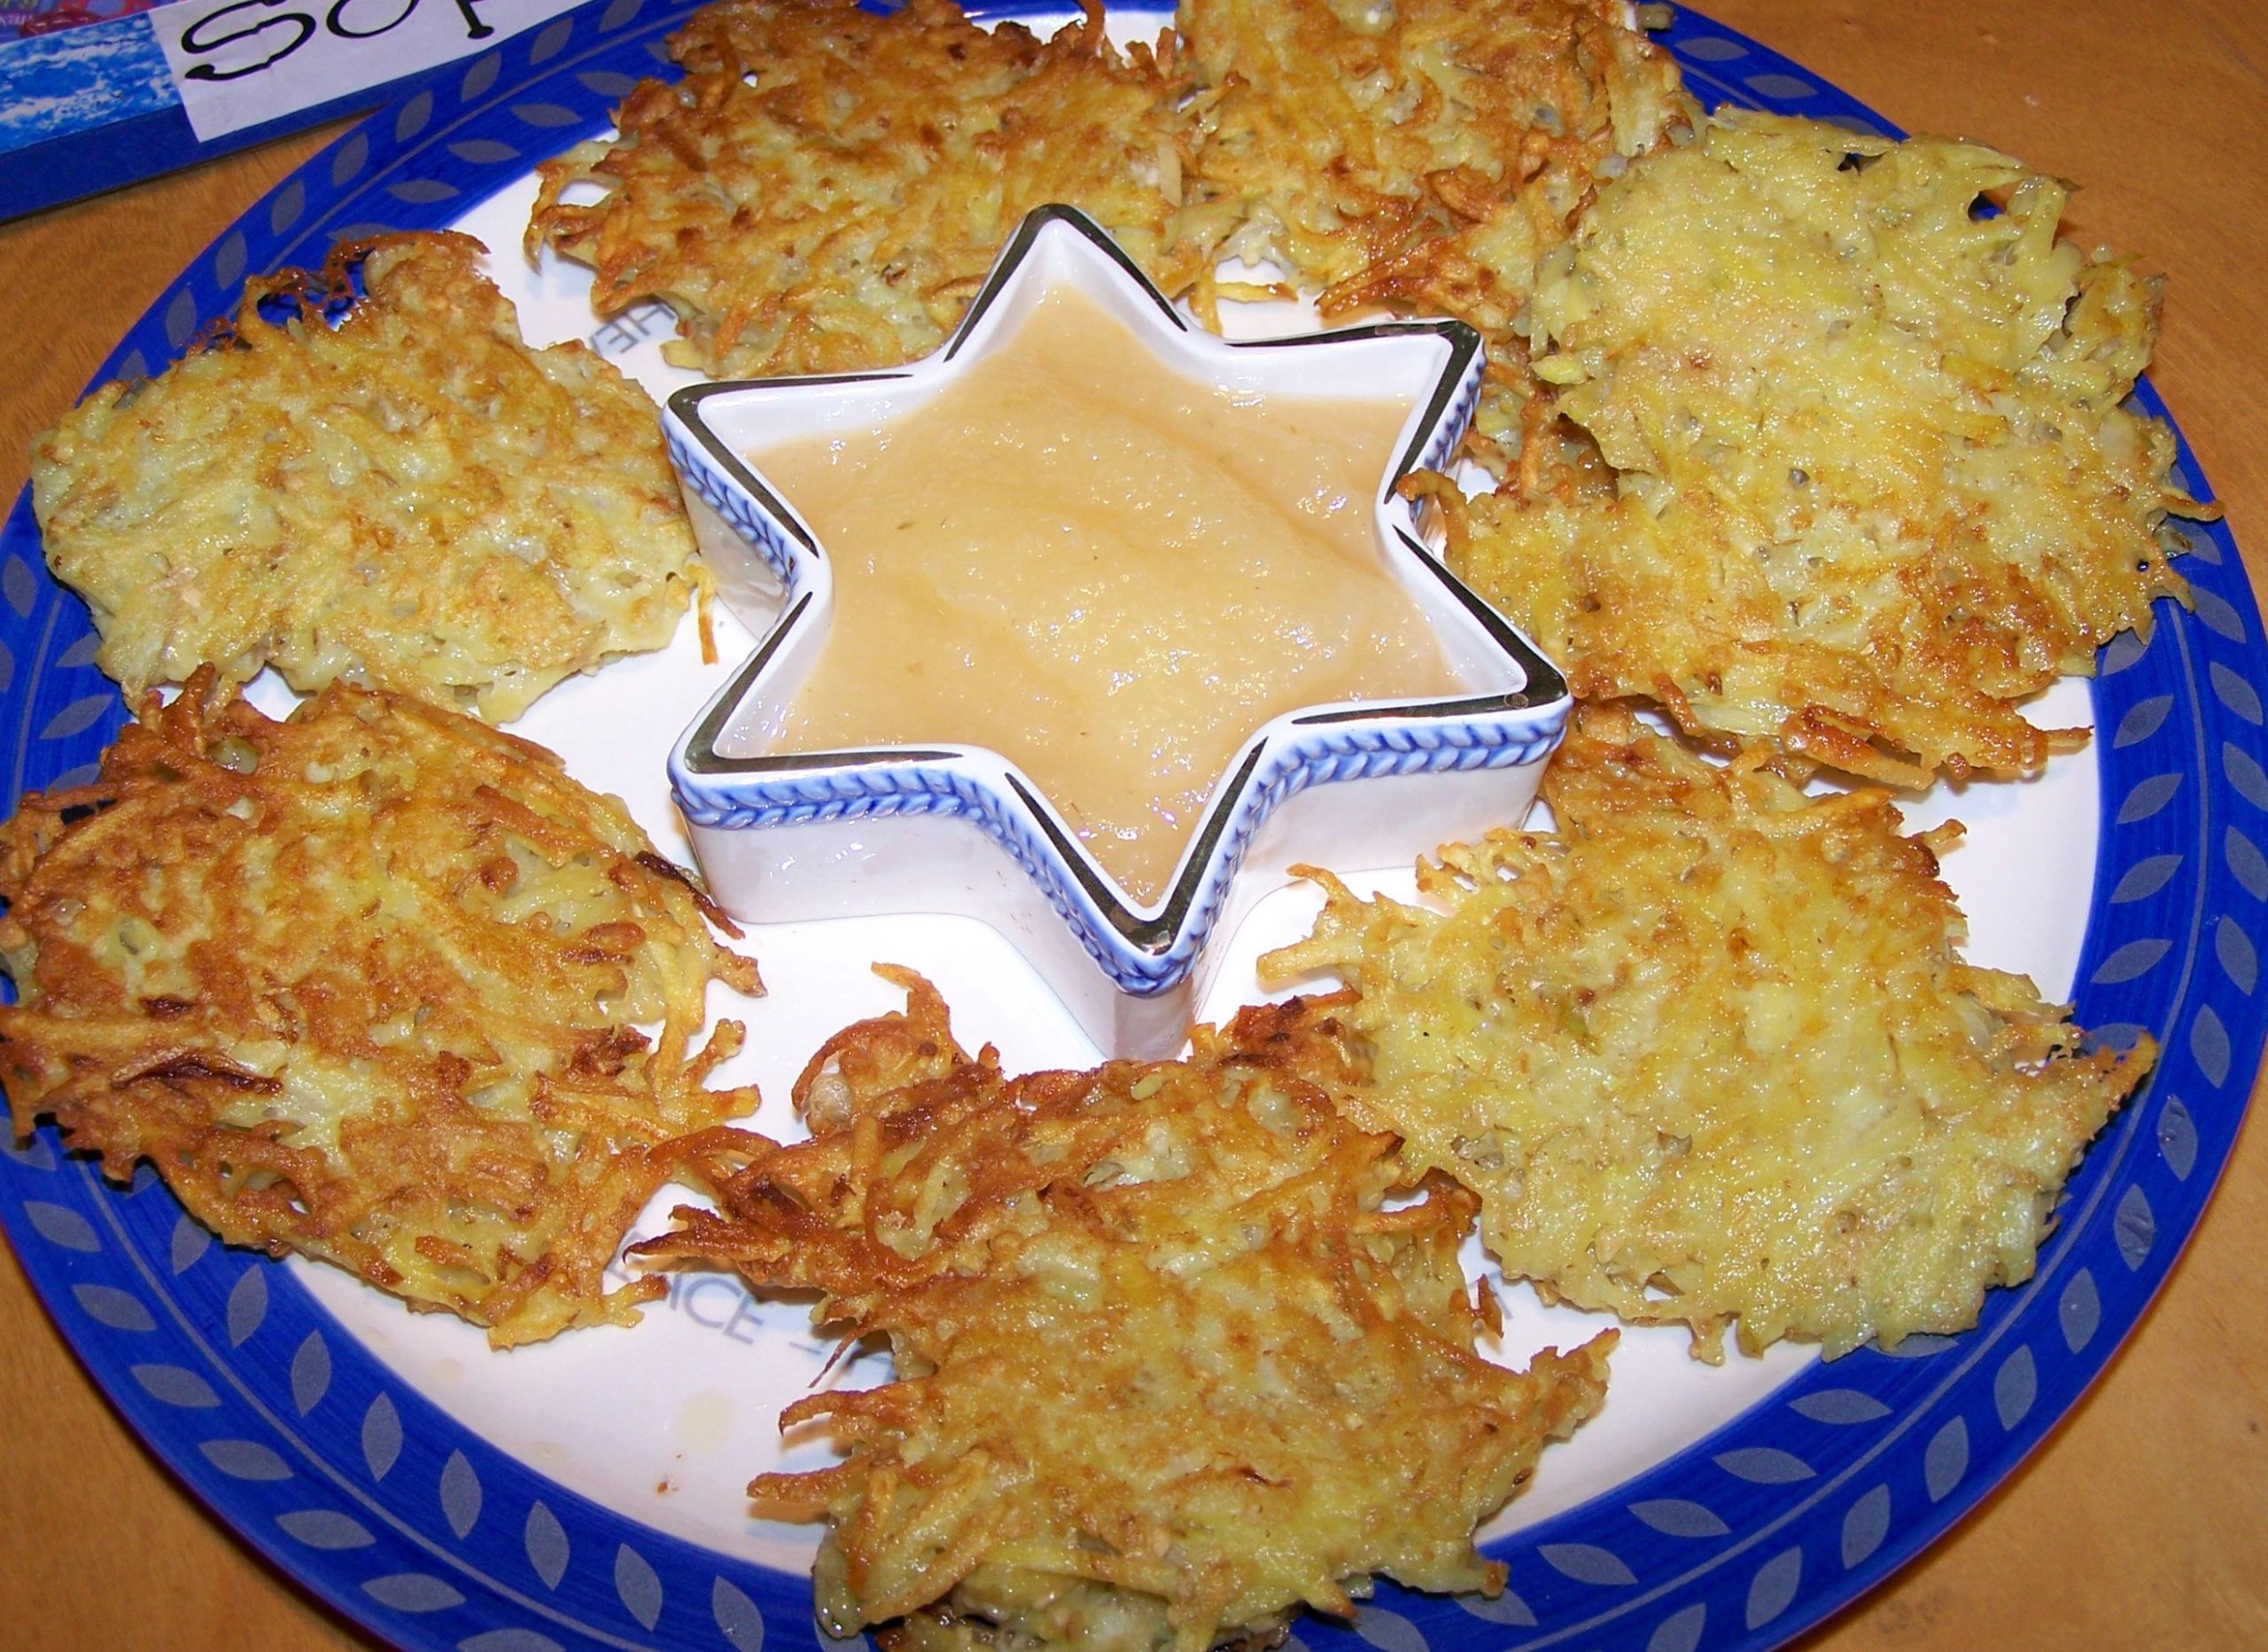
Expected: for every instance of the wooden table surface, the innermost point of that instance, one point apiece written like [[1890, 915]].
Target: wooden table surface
[[2143, 1523]]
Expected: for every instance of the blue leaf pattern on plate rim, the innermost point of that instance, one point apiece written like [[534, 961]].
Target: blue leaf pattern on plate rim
[[356, 1517]]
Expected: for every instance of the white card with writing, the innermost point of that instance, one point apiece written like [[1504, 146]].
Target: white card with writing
[[240, 63]]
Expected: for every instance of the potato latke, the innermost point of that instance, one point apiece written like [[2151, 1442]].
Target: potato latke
[[362, 985], [1708, 1053], [1421, 155], [826, 187], [1876, 485], [1168, 1365], [413, 499]]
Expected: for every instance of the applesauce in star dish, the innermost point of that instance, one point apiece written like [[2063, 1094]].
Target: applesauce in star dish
[[1106, 571]]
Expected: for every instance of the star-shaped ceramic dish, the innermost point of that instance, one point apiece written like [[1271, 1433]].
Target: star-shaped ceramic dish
[[787, 836]]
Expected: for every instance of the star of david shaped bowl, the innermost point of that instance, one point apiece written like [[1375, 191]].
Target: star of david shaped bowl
[[788, 836]]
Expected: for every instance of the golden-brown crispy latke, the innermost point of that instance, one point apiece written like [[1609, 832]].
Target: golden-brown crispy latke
[[1876, 482], [363, 985], [1422, 155], [1708, 1052], [1168, 1366], [826, 187], [414, 498]]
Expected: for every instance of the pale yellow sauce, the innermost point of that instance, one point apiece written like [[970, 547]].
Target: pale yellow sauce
[[1106, 572]]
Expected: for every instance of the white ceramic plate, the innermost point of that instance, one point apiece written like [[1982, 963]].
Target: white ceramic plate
[[589, 1491]]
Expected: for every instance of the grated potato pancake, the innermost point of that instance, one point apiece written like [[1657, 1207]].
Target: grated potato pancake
[[1709, 1053], [827, 186], [412, 499], [367, 985], [1421, 156], [1874, 481], [1168, 1366]]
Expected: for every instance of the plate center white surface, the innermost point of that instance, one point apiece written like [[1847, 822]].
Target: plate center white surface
[[668, 1422]]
